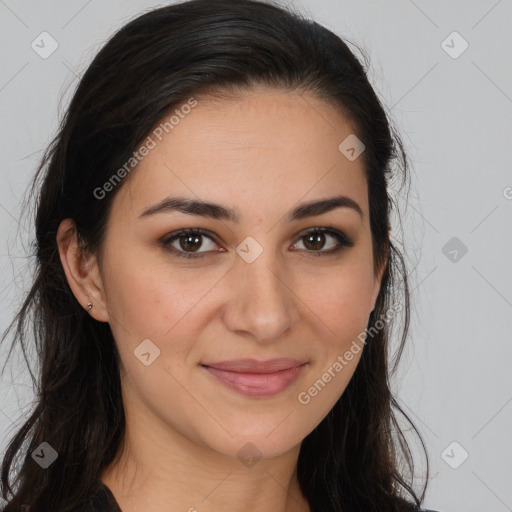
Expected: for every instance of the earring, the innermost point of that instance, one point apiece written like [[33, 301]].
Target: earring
[[89, 306]]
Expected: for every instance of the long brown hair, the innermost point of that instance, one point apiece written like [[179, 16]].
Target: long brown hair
[[357, 458]]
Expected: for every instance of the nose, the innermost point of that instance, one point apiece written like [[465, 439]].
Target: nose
[[263, 304]]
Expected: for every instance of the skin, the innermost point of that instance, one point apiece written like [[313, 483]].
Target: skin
[[262, 154]]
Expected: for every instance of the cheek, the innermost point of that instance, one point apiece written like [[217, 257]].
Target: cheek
[[340, 307], [151, 302], [340, 299], [157, 301], [147, 301]]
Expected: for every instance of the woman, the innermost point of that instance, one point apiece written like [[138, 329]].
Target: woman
[[216, 280]]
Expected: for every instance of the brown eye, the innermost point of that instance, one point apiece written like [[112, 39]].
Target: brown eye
[[315, 240], [192, 242], [187, 242]]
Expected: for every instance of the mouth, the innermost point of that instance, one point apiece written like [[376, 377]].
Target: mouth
[[256, 378]]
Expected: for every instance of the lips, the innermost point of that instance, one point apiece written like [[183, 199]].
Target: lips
[[255, 366], [256, 378]]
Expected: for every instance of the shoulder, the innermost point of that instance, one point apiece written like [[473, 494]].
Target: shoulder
[[100, 499]]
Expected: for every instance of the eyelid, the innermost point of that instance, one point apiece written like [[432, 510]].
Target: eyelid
[[343, 239], [166, 240]]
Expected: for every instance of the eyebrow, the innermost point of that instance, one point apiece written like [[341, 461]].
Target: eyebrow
[[217, 211]]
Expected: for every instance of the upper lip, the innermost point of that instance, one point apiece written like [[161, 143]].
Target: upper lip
[[255, 366]]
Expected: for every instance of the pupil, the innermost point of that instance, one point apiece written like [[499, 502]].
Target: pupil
[[196, 242], [314, 240], [318, 236]]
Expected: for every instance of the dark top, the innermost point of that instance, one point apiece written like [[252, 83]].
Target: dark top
[[101, 499]]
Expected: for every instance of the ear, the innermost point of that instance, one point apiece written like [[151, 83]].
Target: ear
[[377, 283], [81, 271]]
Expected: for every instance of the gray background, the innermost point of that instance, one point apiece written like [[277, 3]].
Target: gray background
[[455, 118]]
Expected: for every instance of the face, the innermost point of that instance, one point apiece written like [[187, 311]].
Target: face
[[270, 282]]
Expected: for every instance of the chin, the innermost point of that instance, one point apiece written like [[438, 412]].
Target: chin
[[254, 446]]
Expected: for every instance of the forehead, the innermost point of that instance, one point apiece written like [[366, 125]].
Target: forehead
[[269, 147]]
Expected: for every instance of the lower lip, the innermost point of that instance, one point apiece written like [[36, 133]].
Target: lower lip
[[257, 384]]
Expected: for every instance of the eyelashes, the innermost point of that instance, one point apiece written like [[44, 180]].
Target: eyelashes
[[194, 236], [189, 235]]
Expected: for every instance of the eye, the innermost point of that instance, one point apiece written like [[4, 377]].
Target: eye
[[188, 239], [314, 239], [186, 242]]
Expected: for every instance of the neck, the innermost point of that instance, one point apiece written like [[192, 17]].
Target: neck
[[160, 467]]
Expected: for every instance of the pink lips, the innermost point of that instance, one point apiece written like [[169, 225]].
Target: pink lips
[[256, 378]]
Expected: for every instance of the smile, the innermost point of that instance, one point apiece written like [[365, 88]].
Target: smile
[[255, 378]]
